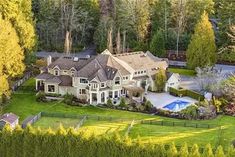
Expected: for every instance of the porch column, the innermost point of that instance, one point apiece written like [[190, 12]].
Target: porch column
[[36, 84], [90, 98]]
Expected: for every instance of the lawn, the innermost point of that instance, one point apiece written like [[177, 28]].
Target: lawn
[[167, 134], [182, 71], [54, 122], [101, 127], [23, 104]]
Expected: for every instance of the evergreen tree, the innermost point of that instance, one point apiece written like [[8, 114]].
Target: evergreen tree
[[11, 55], [201, 51], [172, 151], [19, 13], [184, 151], [160, 80], [219, 152], [208, 151], [195, 151], [157, 45]]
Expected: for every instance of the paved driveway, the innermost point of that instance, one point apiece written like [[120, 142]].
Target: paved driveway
[[159, 100]]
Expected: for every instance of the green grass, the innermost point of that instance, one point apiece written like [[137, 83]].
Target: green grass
[[167, 134], [95, 127], [54, 122], [23, 104], [181, 71]]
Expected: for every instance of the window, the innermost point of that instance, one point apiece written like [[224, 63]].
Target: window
[[51, 88], [135, 73], [127, 78], [124, 78], [56, 73], [65, 71], [117, 80], [138, 72], [110, 94], [83, 81], [142, 72], [82, 91], [94, 85], [102, 85]]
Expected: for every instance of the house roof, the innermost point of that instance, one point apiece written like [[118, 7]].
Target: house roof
[[66, 63], [9, 118], [104, 67], [44, 76], [142, 61], [62, 80]]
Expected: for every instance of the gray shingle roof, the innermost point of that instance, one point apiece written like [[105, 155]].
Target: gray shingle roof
[[103, 67], [62, 80], [44, 76], [66, 63], [9, 117]]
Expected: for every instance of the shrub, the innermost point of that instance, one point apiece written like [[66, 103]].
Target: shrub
[[123, 103], [40, 97], [191, 112], [69, 99], [230, 109], [148, 106], [109, 103], [185, 92]]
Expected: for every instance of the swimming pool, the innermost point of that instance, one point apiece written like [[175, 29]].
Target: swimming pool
[[177, 105]]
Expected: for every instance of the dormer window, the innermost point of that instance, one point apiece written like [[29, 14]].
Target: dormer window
[[56, 73], [85, 81], [72, 71], [117, 81], [102, 85]]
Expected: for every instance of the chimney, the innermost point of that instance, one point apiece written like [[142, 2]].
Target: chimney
[[49, 60]]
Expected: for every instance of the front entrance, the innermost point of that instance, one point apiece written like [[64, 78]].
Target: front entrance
[[94, 98], [102, 97]]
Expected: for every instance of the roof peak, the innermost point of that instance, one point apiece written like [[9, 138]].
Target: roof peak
[[106, 52]]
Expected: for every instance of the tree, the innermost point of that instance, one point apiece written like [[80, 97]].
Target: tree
[[208, 151], [11, 56], [172, 151], [157, 45], [160, 80], [19, 13], [201, 51], [219, 152], [194, 151], [184, 151]]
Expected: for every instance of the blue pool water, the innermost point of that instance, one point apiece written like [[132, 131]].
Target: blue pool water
[[177, 105]]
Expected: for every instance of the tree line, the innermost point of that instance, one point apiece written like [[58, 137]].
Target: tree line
[[121, 25], [69, 143]]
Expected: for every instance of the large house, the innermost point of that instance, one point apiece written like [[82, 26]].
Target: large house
[[102, 77]]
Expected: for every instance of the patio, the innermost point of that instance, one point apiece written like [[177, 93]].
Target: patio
[[159, 100]]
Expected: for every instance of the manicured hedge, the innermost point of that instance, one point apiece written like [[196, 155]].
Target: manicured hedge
[[186, 92], [32, 142]]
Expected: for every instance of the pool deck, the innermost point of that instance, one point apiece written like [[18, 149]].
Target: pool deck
[[159, 100]]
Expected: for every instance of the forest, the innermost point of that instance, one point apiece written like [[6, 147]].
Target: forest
[[129, 25]]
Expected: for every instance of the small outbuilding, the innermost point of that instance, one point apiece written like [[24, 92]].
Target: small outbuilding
[[9, 118], [173, 80]]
